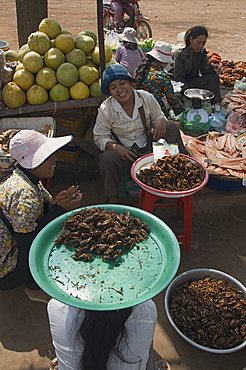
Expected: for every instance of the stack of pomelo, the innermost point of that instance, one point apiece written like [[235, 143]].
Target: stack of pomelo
[[55, 65]]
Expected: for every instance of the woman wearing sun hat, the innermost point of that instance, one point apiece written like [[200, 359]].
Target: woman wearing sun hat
[[126, 124], [26, 206], [151, 76], [129, 54]]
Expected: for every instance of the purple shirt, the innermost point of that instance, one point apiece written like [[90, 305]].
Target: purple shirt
[[129, 58]]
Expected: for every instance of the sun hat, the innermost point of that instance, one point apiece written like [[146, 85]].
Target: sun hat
[[162, 51], [113, 73], [129, 35], [31, 148]]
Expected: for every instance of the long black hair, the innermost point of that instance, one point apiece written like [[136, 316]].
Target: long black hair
[[194, 32], [141, 70], [102, 332]]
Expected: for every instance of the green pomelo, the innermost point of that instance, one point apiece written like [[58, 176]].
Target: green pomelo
[[95, 89], [11, 55], [88, 74], [59, 93], [23, 50], [89, 33], [13, 95], [79, 91], [50, 26], [39, 42], [85, 43], [32, 61], [67, 74], [95, 55], [64, 42], [36, 95], [53, 58], [46, 78], [24, 79], [76, 57]]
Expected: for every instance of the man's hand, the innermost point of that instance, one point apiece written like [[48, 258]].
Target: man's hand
[[125, 153]]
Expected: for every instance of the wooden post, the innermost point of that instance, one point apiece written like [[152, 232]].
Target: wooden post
[[100, 34], [29, 14]]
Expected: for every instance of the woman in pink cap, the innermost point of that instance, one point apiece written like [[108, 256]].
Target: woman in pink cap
[[129, 54], [26, 206], [152, 77]]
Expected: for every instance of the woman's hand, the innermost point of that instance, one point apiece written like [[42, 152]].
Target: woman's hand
[[68, 199], [159, 129]]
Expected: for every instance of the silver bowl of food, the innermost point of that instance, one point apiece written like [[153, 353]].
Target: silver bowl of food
[[206, 307], [199, 94]]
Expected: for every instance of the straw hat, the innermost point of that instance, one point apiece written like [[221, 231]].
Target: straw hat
[[129, 35], [162, 52]]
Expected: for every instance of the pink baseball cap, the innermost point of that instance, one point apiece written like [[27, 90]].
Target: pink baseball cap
[[30, 148]]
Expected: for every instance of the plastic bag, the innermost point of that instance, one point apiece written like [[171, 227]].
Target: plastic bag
[[241, 84], [236, 123], [195, 121], [218, 120], [112, 39]]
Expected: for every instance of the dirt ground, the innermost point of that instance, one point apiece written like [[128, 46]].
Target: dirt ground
[[225, 21], [219, 219]]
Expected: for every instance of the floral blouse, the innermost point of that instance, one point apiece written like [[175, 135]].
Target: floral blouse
[[22, 203], [158, 83]]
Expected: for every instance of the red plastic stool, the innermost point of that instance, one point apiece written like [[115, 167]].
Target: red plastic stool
[[147, 202]]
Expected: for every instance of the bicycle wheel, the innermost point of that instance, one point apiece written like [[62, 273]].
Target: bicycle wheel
[[144, 30]]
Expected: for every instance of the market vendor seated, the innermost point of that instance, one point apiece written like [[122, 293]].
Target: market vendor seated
[[126, 124], [191, 64], [152, 77], [26, 206]]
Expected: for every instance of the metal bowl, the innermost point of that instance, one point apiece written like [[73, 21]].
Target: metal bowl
[[199, 93], [4, 45], [193, 275]]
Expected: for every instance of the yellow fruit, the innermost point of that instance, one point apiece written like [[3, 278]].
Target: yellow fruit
[[13, 95], [95, 55], [24, 79], [11, 55], [36, 95], [59, 93], [39, 42], [53, 58], [64, 42], [84, 43], [76, 57], [23, 50], [46, 78], [19, 66], [91, 34], [32, 61], [88, 74], [95, 89], [50, 26], [67, 74], [90, 63], [79, 91]]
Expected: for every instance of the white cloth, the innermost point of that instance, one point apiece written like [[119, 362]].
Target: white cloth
[[66, 320], [130, 130]]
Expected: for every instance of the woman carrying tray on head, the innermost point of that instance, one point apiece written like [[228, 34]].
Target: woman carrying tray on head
[[191, 64], [26, 206], [126, 124]]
